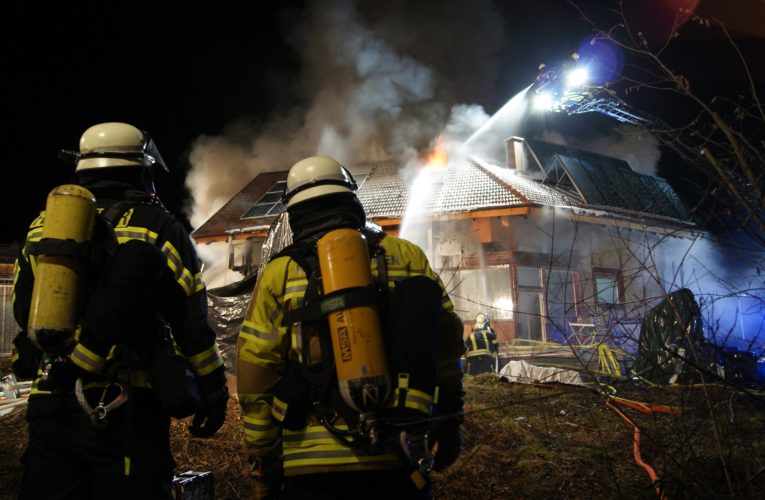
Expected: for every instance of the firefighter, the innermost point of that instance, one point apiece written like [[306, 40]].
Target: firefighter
[[97, 429], [313, 459], [481, 346]]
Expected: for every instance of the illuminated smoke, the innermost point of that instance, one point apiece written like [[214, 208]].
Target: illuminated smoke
[[378, 79], [629, 143], [724, 284], [487, 142], [382, 79]]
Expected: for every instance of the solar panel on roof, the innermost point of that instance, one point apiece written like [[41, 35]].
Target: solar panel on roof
[[268, 204], [585, 184], [606, 181], [672, 200]]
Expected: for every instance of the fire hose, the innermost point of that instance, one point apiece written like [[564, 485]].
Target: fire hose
[[647, 409]]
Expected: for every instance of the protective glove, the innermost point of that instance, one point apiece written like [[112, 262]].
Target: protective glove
[[26, 357], [213, 414], [446, 439], [267, 477]]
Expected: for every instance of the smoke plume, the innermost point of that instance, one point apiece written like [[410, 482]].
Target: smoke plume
[[629, 143], [383, 79], [378, 79]]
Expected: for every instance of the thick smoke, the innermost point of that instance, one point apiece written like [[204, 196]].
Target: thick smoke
[[629, 143], [378, 79], [724, 284], [384, 79]]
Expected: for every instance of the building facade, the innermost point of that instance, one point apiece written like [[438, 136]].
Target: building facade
[[558, 246]]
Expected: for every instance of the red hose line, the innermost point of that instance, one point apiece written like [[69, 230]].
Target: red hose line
[[636, 450]]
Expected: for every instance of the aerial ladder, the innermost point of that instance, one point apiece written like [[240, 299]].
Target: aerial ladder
[[564, 89]]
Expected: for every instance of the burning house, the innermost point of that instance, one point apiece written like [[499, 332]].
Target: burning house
[[558, 246]]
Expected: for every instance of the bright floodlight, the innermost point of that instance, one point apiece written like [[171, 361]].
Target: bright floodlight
[[543, 101], [576, 77]]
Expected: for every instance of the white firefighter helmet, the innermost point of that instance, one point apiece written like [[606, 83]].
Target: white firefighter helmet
[[481, 320], [115, 144], [316, 176]]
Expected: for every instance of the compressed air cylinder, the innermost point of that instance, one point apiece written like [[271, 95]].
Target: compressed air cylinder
[[357, 341], [69, 217]]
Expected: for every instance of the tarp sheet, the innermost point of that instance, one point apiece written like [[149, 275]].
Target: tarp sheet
[[226, 309], [672, 348], [524, 373], [228, 304]]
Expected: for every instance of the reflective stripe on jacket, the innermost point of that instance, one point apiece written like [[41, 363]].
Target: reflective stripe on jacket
[[481, 343], [186, 310]]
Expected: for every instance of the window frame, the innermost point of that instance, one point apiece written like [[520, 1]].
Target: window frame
[[615, 277], [273, 207]]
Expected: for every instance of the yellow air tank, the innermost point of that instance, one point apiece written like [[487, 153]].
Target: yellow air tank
[[357, 341], [70, 212]]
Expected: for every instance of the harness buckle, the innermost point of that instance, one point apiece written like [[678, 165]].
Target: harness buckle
[[101, 411], [416, 447]]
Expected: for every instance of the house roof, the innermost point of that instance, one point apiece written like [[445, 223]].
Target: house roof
[[229, 218], [603, 182], [466, 185], [562, 177]]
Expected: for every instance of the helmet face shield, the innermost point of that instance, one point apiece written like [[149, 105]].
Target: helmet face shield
[[314, 177], [151, 153], [115, 144]]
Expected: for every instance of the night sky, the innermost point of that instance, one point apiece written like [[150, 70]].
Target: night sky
[[177, 74], [241, 74]]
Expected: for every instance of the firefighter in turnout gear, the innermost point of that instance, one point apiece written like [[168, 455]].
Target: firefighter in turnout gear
[[97, 426], [312, 385], [482, 348]]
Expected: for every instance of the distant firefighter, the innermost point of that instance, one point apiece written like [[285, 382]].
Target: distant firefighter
[[482, 347]]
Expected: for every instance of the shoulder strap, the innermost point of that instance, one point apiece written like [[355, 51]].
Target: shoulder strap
[[377, 252], [107, 221], [114, 212], [132, 198], [303, 252], [316, 306]]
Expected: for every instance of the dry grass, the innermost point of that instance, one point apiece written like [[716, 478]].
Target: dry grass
[[552, 441], [14, 429], [223, 454]]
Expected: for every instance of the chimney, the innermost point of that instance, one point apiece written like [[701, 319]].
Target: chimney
[[517, 155]]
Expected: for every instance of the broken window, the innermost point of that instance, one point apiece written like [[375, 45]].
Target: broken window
[[244, 255]]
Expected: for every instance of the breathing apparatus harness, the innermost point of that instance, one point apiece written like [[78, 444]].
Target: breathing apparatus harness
[[77, 242], [317, 379], [311, 386], [119, 372]]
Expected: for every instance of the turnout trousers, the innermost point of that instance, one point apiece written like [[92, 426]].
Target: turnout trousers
[[479, 364], [67, 457]]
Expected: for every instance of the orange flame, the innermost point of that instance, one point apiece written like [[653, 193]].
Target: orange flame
[[437, 156]]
